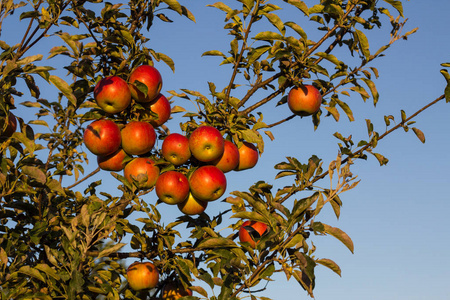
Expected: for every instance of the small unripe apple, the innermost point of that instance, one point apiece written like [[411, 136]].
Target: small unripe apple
[[304, 100], [142, 276], [112, 94]]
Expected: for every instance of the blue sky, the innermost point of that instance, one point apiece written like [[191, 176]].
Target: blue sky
[[398, 215]]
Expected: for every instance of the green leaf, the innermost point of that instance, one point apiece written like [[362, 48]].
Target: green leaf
[[329, 57], [214, 53], [336, 232], [397, 5], [249, 215], [222, 7], [64, 88], [35, 173], [330, 265], [48, 270], [297, 29], [276, 21], [27, 270], [217, 242], [108, 251], [373, 89], [29, 59], [300, 5], [268, 36], [363, 43]]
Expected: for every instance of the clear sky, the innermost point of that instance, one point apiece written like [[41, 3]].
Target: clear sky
[[398, 215]]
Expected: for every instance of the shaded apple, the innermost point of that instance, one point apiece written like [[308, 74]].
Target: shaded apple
[[161, 107], [192, 205], [113, 162], [251, 231], [248, 156], [229, 159]]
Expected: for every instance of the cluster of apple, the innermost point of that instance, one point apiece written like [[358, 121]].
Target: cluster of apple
[[144, 275], [126, 146]]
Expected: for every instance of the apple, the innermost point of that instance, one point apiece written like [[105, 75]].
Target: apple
[[150, 77], [229, 159], [102, 137], [142, 276], [206, 143], [304, 100], [175, 149], [113, 162], [161, 107], [208, 183], [192, 205], [112, 94], [172, 291], [138, 137], [172, 187], [248, 156], [143, 170], [11, 127], [251, 232]]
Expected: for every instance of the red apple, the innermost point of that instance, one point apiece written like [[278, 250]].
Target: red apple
[[112, 94], [248, 156], [192, 206], [173, 291], [113, 162], [229, 159], [206, 143], [175, 149], [102, 137], [142, 276], [172, 187], [138, 137], [161, 107], [10, 128], [143, 170], [208, 183], [251, 232], [304, 100], [150, 77]]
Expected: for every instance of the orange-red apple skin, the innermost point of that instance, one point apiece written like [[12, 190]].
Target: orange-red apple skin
[[149, 76], [206, 143], [304, 100], [172, 187], [112, 94], [248, 156], [138, 137], [140, 167], [175, 149], [102, 137]]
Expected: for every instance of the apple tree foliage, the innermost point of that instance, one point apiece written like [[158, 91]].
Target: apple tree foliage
[[61, 242]]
